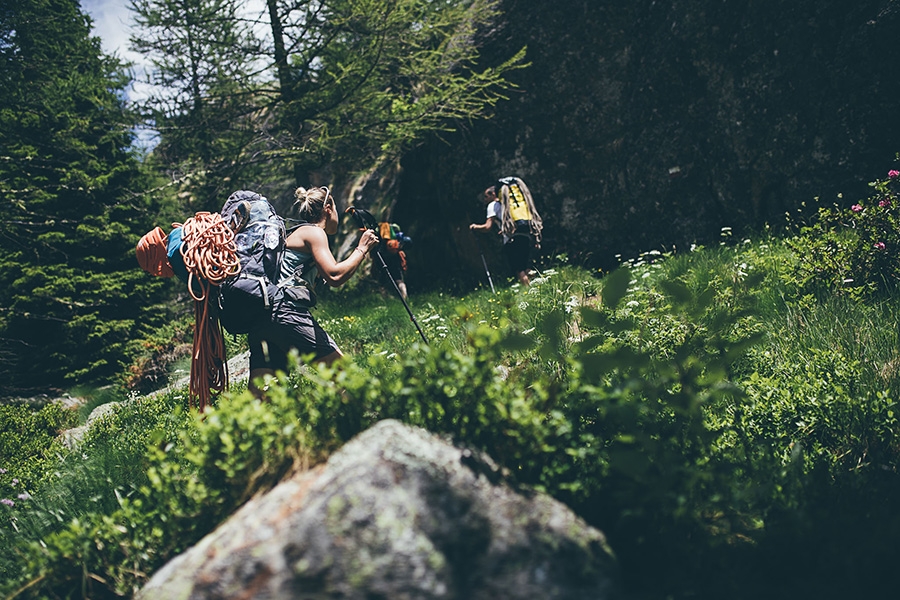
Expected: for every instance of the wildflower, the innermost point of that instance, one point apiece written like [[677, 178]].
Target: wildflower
[[879, 245], [7, 502], [893, 173], [632, 303], [15, 482], [856, 208], [24, 496], [2, 471], [885, 202]]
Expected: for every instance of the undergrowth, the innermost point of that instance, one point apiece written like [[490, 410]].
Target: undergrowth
[[713, 418]]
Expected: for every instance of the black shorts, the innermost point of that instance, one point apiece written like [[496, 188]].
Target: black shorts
[[290, 328], [394, 265], [518, 252]]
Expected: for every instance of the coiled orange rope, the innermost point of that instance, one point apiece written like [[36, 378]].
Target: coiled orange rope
[[208, 249], [210, 257]]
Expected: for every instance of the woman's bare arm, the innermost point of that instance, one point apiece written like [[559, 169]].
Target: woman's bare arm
[[314, 241]]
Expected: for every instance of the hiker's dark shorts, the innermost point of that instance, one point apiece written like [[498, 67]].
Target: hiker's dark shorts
[[394, 265], [518, 252], [289, 328]]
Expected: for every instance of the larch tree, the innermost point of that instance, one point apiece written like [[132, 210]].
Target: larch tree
[[201, 90], [347, 84]]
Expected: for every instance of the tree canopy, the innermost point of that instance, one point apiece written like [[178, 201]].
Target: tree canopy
[[343, 85]]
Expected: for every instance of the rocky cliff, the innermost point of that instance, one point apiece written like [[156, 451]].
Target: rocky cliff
[[648, 124]]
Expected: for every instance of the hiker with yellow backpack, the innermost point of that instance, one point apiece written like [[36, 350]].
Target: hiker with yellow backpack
[[511, 210]]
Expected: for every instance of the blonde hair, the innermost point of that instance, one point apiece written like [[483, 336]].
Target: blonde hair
[[310, 203]]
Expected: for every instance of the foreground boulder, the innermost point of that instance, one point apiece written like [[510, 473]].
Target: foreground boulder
[[397, 513]]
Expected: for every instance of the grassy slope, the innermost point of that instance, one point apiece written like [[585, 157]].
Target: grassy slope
[[819, 399]]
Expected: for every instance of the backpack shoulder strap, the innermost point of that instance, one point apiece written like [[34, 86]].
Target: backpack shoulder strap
[[298, 225]]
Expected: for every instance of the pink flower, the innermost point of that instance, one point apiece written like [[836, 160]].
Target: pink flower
[[7, 502], [879, 245], [856, 208], [893, 173], [885, 202]]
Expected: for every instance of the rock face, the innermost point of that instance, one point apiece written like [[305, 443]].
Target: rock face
[[396, 513], [641, 125]]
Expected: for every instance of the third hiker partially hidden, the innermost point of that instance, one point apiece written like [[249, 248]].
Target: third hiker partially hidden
[[511, 208]]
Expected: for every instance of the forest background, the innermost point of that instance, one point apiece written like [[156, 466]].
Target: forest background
[[637, 125]]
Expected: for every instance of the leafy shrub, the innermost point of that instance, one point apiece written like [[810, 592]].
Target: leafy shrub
[[616, 429], [856, 249], [28, 444], [622, 403]]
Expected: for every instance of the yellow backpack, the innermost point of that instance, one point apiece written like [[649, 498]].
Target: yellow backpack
[[518, 206]]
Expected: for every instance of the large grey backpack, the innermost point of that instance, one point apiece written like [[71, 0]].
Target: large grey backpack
[[248, 297]]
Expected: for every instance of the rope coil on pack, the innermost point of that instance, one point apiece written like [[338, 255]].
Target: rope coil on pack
[[208, 251], [210, 257]]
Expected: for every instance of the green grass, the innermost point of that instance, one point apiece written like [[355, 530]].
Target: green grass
[[713, 419]]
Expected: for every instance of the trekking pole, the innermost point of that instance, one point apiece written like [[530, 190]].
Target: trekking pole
[[367, 221], [484, 262]]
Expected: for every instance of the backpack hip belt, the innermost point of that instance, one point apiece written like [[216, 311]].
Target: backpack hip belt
[[263, 284]]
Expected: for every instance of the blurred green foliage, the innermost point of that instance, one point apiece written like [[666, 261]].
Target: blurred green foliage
[[713, 423]]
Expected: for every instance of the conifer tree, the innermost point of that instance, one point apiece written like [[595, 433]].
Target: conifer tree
[[201, 90], [72, 298]]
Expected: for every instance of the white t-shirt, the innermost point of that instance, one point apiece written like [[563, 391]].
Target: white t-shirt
[[495, 211]]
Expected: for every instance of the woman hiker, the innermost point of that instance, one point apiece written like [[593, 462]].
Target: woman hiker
[[307, 258]]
